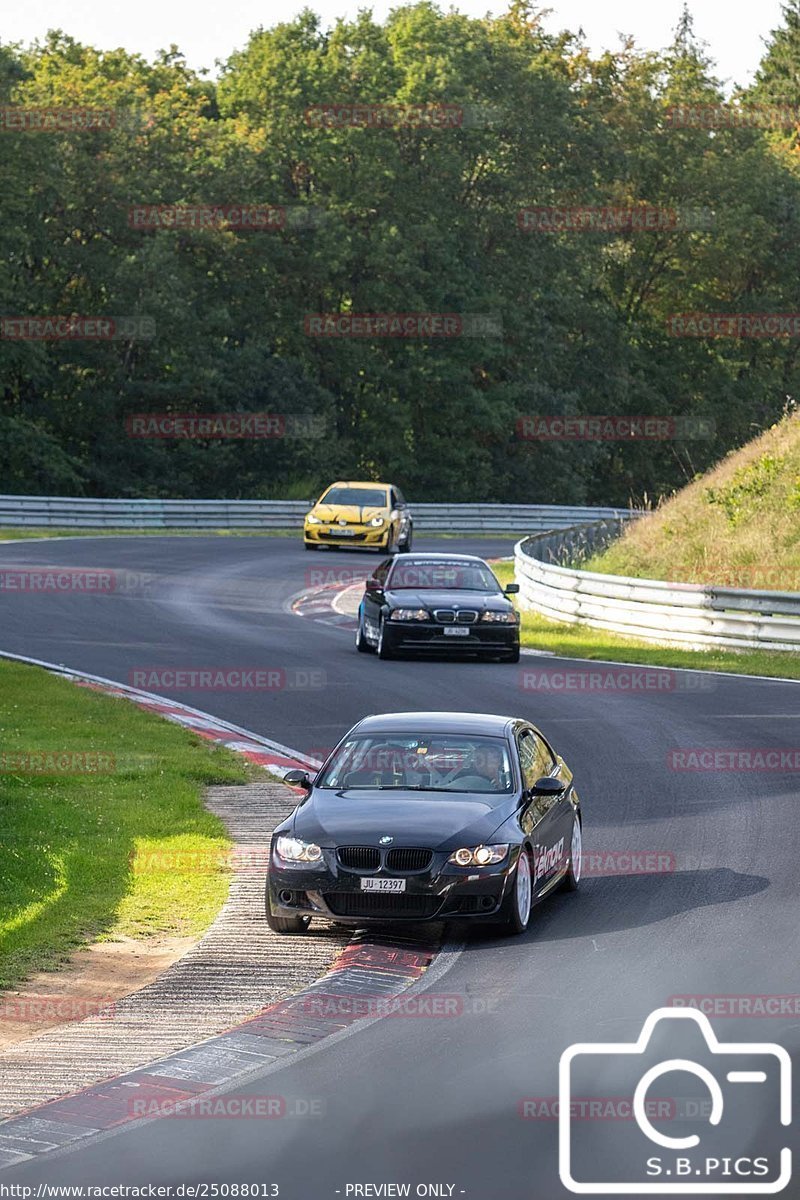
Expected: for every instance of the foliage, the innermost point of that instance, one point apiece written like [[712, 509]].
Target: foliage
[[392, 220]]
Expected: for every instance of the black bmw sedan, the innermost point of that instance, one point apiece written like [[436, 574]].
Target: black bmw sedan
[[426, 816], [440, 603]]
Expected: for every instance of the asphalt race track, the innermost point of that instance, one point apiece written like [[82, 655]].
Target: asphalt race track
[[436, 1100]]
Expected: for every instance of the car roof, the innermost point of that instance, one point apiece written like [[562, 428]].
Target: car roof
[[490, 724], [358, 483], [412, 556]]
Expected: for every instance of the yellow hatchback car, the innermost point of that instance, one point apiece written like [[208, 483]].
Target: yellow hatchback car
[[373, 515]]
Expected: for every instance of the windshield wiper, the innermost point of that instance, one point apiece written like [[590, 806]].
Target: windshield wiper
[[410, 787]]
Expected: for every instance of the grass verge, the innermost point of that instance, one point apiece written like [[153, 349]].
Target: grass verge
[[81, 854], [736, 526], [581, 641]]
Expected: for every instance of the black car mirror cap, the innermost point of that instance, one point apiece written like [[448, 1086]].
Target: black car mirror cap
[[372, 585], [548, 785], [298, 779], [511, 589]]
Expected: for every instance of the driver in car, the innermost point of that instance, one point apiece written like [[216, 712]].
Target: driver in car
[[486, 770]]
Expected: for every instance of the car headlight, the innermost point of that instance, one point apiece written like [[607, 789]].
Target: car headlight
[[478, 856], [503, 618], [376, 521], [312, 520], [409, 614], [292, 850]]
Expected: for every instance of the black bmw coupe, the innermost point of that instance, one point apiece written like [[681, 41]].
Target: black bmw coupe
[[437, 603], [427, 816]]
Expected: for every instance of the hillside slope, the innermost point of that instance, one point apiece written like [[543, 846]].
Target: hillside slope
[[738, 525]]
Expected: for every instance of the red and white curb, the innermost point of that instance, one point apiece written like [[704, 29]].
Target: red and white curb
[[319, 604], [274, 757], [369, 972]]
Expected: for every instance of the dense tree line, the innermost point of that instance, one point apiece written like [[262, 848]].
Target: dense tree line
[[398, 219]]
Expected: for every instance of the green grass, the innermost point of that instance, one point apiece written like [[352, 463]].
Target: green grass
[[581, 641], [736, 526], [73, 846]]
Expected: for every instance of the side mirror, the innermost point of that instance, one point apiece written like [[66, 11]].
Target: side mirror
[[511, 589], [298, 779], [548, 785], [311, 503], [373, 586]]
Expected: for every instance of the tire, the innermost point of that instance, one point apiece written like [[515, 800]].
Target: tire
[[311, 545], [284, 924], [518, 904], [513, 657], [572, 878], [404, 547], [362, 645], [384, 651]]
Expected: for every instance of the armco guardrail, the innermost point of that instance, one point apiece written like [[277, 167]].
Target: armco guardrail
[[80, 513], [682, 614]]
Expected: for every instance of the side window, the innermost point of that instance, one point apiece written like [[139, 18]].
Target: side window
[[528, 759], [393, 501], [380, 573], [399, 498], [544, 758]]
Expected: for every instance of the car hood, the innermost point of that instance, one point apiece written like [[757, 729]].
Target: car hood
[[355, 817], [353, 513], [433, 598]]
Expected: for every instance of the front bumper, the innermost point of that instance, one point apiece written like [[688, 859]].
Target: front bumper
[[430, 636], [356, 535], [440, 893]]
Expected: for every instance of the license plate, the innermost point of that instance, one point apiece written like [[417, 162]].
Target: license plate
[[456, 631], [383, 885], [344, 532]]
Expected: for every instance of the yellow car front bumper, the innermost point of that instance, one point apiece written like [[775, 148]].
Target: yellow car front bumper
[[353, 535]]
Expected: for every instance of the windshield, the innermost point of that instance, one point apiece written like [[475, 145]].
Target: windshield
[[360, 497], [443, 576], [438, 762]]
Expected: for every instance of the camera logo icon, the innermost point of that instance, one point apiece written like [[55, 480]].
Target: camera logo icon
[[746, 1090]]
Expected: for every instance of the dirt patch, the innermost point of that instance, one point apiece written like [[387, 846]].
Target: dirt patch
[[86, 986]]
